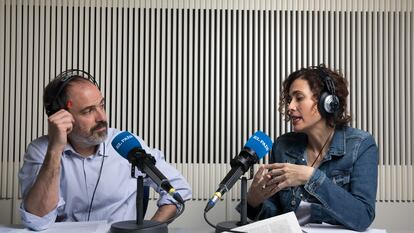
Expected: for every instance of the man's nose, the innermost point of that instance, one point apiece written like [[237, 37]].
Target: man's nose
[[100, 114]]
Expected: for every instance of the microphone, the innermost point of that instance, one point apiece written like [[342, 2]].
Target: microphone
[[255, 149], [129, 147]]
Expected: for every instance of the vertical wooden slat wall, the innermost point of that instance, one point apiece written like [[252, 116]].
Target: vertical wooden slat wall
[[196, 79]]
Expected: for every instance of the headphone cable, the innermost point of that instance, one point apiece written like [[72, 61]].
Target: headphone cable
[[97, 182]]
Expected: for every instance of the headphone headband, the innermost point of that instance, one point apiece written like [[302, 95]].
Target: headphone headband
[[328, 101], [68, 75], [60, 82], [326, 79]]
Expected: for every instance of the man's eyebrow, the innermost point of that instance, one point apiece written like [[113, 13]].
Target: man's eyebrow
[[93, 106]]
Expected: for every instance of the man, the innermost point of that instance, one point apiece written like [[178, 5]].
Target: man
[[73, 173]]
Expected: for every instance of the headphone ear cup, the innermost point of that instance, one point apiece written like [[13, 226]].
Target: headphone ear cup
[[333, 103], [53, 107], [328, 104], [322, 104]]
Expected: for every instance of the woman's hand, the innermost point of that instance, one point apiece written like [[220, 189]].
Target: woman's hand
[[285, 175], [259, 191]]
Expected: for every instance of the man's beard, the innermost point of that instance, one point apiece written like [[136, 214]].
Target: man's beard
[[93, 138]]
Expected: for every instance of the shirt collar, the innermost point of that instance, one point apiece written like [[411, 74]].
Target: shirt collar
[[296, 151], [337, 147], [102, 150]]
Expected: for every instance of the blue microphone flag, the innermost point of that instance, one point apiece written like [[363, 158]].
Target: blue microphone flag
[[124, 142], [259, 143]]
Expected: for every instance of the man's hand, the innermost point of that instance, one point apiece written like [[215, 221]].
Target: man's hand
[[60, 124]]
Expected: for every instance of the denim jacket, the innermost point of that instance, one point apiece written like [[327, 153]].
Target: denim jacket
[[342, 190]]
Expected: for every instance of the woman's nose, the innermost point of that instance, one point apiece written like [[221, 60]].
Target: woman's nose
[[291, 107]]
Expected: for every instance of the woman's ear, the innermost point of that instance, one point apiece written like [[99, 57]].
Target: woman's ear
[[315, 109]]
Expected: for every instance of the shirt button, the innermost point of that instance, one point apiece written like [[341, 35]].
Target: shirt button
[[293, 203]]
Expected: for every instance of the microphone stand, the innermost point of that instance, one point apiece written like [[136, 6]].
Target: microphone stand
[[228, 225], [139, 225]]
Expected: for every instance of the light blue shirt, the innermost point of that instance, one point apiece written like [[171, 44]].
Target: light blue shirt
[[116, 192]]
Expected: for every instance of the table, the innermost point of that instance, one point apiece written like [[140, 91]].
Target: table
[[326, 228], [90, 227], [103, 227]]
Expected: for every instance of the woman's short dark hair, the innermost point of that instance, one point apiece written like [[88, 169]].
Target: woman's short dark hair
[[312, 75]]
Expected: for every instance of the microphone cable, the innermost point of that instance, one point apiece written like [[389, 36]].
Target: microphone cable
[[215, 227]]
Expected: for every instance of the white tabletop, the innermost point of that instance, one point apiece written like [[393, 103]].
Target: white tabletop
[[326, 228], [90, 227], [103, 227]]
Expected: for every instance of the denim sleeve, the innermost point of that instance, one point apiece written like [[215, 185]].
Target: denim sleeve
[[271, 206], [355, 209]]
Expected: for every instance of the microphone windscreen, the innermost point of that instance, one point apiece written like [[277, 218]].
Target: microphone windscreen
[[124, 142], [260, 143]]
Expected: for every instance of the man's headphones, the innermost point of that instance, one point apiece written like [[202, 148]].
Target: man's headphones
[[53, 99], [328, 103]]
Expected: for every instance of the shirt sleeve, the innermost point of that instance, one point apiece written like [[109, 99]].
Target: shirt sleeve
[[35, 222], [177, 180]]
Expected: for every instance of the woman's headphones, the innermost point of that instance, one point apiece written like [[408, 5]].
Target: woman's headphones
[[328, 103], [53, 98]]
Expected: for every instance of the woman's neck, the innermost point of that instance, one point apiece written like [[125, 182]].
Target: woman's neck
[[318, 137], [318, 144]]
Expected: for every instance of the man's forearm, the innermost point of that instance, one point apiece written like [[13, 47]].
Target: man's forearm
[[44, 195], [165, 213]]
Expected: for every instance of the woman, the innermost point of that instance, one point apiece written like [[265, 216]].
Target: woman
[[324, 171]]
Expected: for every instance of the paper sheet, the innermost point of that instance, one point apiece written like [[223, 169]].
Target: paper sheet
[[285, 223]]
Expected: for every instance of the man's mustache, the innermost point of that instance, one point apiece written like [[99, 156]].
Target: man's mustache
[[100, 125]]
